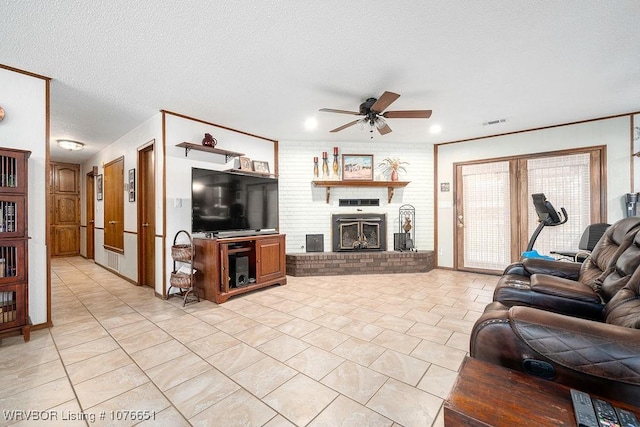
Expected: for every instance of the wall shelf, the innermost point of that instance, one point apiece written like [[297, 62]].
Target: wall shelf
[[252, 173], [228, 155], [391, 186]]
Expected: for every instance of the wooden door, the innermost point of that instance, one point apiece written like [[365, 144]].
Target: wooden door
[[494, 215], [90, 208], [65, 205], [224, 268], [146, 217], [270, 258], [113, 187]]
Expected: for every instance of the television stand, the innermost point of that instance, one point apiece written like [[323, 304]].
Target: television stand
[[218, 268]]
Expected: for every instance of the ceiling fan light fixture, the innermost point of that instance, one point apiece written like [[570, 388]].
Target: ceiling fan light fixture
[[435, 129], [67, 144], [380, 122]]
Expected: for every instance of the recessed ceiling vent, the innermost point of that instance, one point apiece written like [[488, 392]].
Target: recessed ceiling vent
[[359, 202], [494, 122]]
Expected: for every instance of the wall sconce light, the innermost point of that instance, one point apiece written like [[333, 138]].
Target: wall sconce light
[[70, 145]]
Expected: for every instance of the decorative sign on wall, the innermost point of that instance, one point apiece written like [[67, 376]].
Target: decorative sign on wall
[[132, 185], [99, 187]]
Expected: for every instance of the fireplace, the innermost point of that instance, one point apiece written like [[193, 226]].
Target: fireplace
[[359, 232]]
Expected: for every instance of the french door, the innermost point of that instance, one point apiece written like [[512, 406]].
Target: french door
[[494, 212]]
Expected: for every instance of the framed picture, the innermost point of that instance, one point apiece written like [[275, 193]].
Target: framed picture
[[259, 166], [357, 167], [132, 185], [245, 164], [99, 187]]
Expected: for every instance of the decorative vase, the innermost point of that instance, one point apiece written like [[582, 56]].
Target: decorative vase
[[335, 166], [209, 141], [315, 168], [325, 168], [394, 175], [407, 225]]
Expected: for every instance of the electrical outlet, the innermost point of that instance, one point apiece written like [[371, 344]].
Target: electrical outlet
[[439, 251], [177, 203]]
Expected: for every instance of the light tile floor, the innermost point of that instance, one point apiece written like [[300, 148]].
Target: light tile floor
[[371, 350]]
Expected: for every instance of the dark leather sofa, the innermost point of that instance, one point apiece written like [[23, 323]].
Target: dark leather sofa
[[599, 357], [571, 288], [583, 333]]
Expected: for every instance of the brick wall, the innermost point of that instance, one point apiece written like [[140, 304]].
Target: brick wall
[[302, 206], [341, 263]]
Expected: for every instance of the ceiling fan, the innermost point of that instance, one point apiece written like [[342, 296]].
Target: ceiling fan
[[373, 115]]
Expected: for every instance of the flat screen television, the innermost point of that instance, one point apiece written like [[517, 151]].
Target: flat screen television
[[232, 201]]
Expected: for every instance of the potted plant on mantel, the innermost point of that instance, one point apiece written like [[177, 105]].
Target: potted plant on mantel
[[394, 165]]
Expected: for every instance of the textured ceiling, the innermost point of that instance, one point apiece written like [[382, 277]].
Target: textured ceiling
[[265, 67]]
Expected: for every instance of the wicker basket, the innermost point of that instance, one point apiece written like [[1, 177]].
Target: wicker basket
[[180, 280], [181, 252]]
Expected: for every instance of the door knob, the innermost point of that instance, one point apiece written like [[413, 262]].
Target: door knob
[[145, 224]]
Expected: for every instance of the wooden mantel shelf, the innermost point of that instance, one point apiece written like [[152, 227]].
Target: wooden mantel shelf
[[391, 185], [188, 146]]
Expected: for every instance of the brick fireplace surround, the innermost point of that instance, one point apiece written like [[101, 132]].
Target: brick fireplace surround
[[341, 263]]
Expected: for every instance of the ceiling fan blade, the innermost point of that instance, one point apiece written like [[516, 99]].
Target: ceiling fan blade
[[384, 129], [384, 101], [331, 110], [407, 114], [345, 126]]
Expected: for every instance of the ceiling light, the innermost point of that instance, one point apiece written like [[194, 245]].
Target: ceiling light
[[435, 129], [70, 145], [311, 123], [380, 123]]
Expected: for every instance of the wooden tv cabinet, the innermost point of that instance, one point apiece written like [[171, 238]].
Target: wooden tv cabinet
[[217, 280]]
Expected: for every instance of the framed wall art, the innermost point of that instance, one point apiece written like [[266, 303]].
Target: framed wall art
[[357, 167], [132, 185], [245, 164], [99, 191], [260, 166]]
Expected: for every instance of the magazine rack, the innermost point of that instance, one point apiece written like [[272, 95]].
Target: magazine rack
[[182, 276]]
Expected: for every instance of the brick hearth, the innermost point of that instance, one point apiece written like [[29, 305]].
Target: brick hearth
[[341, 263]]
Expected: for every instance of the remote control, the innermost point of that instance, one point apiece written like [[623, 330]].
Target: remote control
[[583, 408], [605, 413], [627, 418]]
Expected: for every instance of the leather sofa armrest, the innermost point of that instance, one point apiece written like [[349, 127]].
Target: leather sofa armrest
[[564, 288], [567, 270], [592, 356]]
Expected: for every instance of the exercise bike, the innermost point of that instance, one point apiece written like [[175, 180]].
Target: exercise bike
[[547, 217]]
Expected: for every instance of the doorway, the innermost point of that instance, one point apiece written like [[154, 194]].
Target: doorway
[[90, 206], [494, 215], [146, 216]]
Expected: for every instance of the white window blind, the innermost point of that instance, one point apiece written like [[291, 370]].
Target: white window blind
[[487, 230], [565, 182]]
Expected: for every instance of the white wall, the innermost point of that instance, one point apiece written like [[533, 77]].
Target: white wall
[[24, 127], [614, 133], [303, 207]]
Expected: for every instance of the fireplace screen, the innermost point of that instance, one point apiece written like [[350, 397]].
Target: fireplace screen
[[362, 232]]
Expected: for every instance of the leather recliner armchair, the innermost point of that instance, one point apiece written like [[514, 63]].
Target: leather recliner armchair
[[600, 357], [575, 298], [568, 287]]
